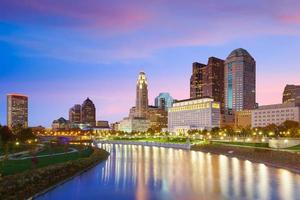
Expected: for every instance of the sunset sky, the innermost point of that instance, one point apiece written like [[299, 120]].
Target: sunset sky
[[61, 52]]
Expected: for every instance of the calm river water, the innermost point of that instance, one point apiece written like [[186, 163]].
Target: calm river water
[[137, 172]]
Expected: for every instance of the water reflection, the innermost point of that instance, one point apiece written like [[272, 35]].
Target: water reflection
[[136, 172]]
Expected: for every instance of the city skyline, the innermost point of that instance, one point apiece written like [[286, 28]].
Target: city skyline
[[106, 71]]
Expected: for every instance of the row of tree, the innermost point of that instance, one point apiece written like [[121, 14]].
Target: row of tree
[[20, 134], [287, 129]]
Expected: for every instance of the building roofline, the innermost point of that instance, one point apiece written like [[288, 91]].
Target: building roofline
[[17, 94]]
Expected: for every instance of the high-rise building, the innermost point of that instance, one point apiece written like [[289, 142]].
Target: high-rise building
[[141, 95], [75, 114], [157, 116], [164, 101], [88, 113], [196, 81], [208, 80], [240, 83], [291, 94], [17, 110]]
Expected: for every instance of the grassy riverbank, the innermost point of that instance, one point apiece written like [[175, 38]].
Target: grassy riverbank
[[13, 148], [280, 159], [9, 167], [26, 184]]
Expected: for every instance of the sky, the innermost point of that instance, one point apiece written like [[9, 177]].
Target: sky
[[59, 52]]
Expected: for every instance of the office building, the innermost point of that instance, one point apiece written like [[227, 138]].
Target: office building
[[239, 80], [157, 116], [191, 114], [75, 114], [134, 124], [275, 114], [141, 95], [164, 101], [243, 119], [291, 93], [208, 80], [60, 124], [102, 124], [17, 110], [196, 81], [88, 113]]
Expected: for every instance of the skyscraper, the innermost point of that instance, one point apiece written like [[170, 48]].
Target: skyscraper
[[291, 93], [75, 114], [17, 110], [88, 112], [196, 81], [208, 80], [240, 82], [164, 101], [156, 116], [141, 95]]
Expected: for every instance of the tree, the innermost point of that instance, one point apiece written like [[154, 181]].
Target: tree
[[6, 134], [26, 134], [289, 124]]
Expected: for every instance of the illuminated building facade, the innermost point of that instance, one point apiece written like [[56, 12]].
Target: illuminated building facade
[[134, 124], [141, 95], [196, 81], [240, 83], [88, 113], [103, 124], [243, 119], [75, 114], [275, 114], [60, 124], [156, 116], [194, 114], [208, 80], [164, 101], [17, 110], [291, 94]]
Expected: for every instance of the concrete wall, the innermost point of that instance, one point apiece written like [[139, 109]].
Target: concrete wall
[[283, 143]]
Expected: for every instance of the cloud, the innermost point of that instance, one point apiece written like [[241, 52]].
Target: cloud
[[103, 31]]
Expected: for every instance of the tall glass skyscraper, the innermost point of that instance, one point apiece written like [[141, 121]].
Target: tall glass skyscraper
[[240, 81], [164, 101]]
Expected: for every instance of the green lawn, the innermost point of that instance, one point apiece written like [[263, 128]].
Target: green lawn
[[13, 148], [15, 166], [248, 144], [294, 148]]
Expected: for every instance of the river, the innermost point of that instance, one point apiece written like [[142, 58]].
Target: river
[[137, 172]]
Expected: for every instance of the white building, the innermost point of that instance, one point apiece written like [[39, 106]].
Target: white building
[[275, 114], [194, 114], [134, 125]]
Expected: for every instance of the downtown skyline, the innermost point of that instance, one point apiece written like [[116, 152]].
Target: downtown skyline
[[59, 58]]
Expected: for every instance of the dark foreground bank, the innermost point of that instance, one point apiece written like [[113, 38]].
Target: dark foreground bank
[[27, 184], [279, 159]]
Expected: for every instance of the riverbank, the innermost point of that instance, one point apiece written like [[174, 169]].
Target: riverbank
[[27, 184], [273, 158]]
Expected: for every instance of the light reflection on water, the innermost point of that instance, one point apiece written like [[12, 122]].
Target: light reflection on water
[[136, 172]]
